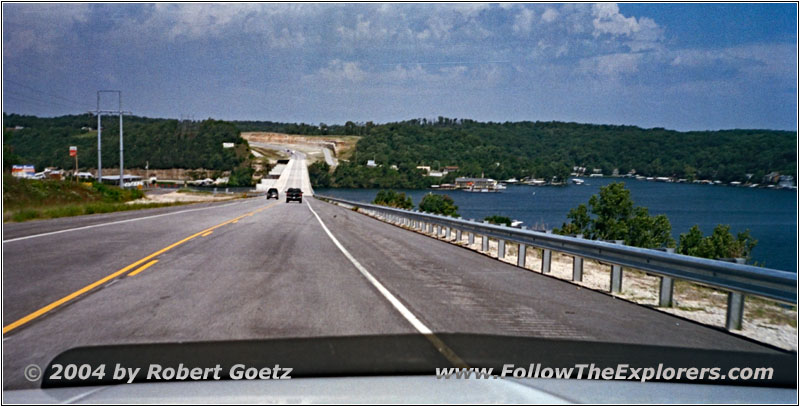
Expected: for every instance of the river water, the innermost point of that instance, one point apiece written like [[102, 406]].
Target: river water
[[770, 215]]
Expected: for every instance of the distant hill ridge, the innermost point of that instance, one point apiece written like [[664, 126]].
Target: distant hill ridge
[[498, 150]]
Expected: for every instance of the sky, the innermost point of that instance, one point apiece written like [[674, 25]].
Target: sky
[[678, 66]]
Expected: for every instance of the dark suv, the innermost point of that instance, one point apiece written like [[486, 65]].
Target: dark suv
[[272, 193], [294, 194]]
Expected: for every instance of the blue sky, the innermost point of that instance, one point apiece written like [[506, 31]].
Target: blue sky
[[679, 66]]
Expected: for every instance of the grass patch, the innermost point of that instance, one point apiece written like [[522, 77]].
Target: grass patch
[[690, 309], [86, 209], [25, 199]]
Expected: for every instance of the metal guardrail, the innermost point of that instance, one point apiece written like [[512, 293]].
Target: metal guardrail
[[737, 279]]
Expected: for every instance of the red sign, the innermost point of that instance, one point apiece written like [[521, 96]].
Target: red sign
[[73, 151]]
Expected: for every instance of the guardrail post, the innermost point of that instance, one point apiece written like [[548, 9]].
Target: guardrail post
[[485, 243], [735, 312], [458, 235], [501, 249], [665, 292], [616, 278], [577, 265], [438, 230], [471, 238], [521, 251], [447, 232], [616, 274], [666, 288], [546, 256]]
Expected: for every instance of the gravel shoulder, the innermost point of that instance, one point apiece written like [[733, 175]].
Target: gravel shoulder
[[764, 321], [184, 197]]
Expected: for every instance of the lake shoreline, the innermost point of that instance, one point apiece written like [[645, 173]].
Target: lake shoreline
[[769, 214]]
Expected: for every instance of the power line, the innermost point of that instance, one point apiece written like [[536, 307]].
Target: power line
[[43, 92], [42, 103]]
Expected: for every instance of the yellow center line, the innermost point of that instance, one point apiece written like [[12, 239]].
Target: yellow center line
[[143, 268], [207, 233], [55, 304]]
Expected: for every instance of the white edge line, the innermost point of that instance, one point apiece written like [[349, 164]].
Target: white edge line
[[405, 312], [82, 396], [115, 222]]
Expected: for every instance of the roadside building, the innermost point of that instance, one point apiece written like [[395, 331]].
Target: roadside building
[[785, 181]]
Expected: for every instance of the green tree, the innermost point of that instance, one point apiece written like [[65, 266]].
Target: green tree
[[720, 244], [580, 222], [689, 242], [649, 231], [241, 176], [393, 199], [498, 220], [613, 207], [319, 174], [439, 204], [614, 217]]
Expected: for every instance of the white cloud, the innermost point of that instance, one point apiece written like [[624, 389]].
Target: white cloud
[[41, 28], [339, 71], [608, 20], [523, 21], [346, 74], [611, 66], [550, 14], [756, 60]]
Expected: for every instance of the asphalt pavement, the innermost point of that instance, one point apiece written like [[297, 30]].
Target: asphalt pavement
[[259, 268]]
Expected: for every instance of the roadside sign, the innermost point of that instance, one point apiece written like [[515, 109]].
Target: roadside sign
[[23, 171], [73, 151]]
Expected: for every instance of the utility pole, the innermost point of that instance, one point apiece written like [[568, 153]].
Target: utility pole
[[99, 130], [121, 166]]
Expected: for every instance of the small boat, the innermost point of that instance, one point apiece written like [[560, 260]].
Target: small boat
[[577, 181], [501, 186], [511, 181]]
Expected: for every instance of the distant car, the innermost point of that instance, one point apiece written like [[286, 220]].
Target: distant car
[[294, 194], [272, 193]]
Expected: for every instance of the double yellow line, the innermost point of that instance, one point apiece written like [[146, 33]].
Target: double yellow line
[[53, 305]]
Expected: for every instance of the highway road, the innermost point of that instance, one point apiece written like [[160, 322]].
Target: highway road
[[265, 269], [293, 175]]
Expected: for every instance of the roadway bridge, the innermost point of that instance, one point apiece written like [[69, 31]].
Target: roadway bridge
[[253, 269]]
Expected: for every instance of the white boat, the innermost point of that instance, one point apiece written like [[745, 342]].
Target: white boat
[[511, 181], [501, 186], [577, 181]]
